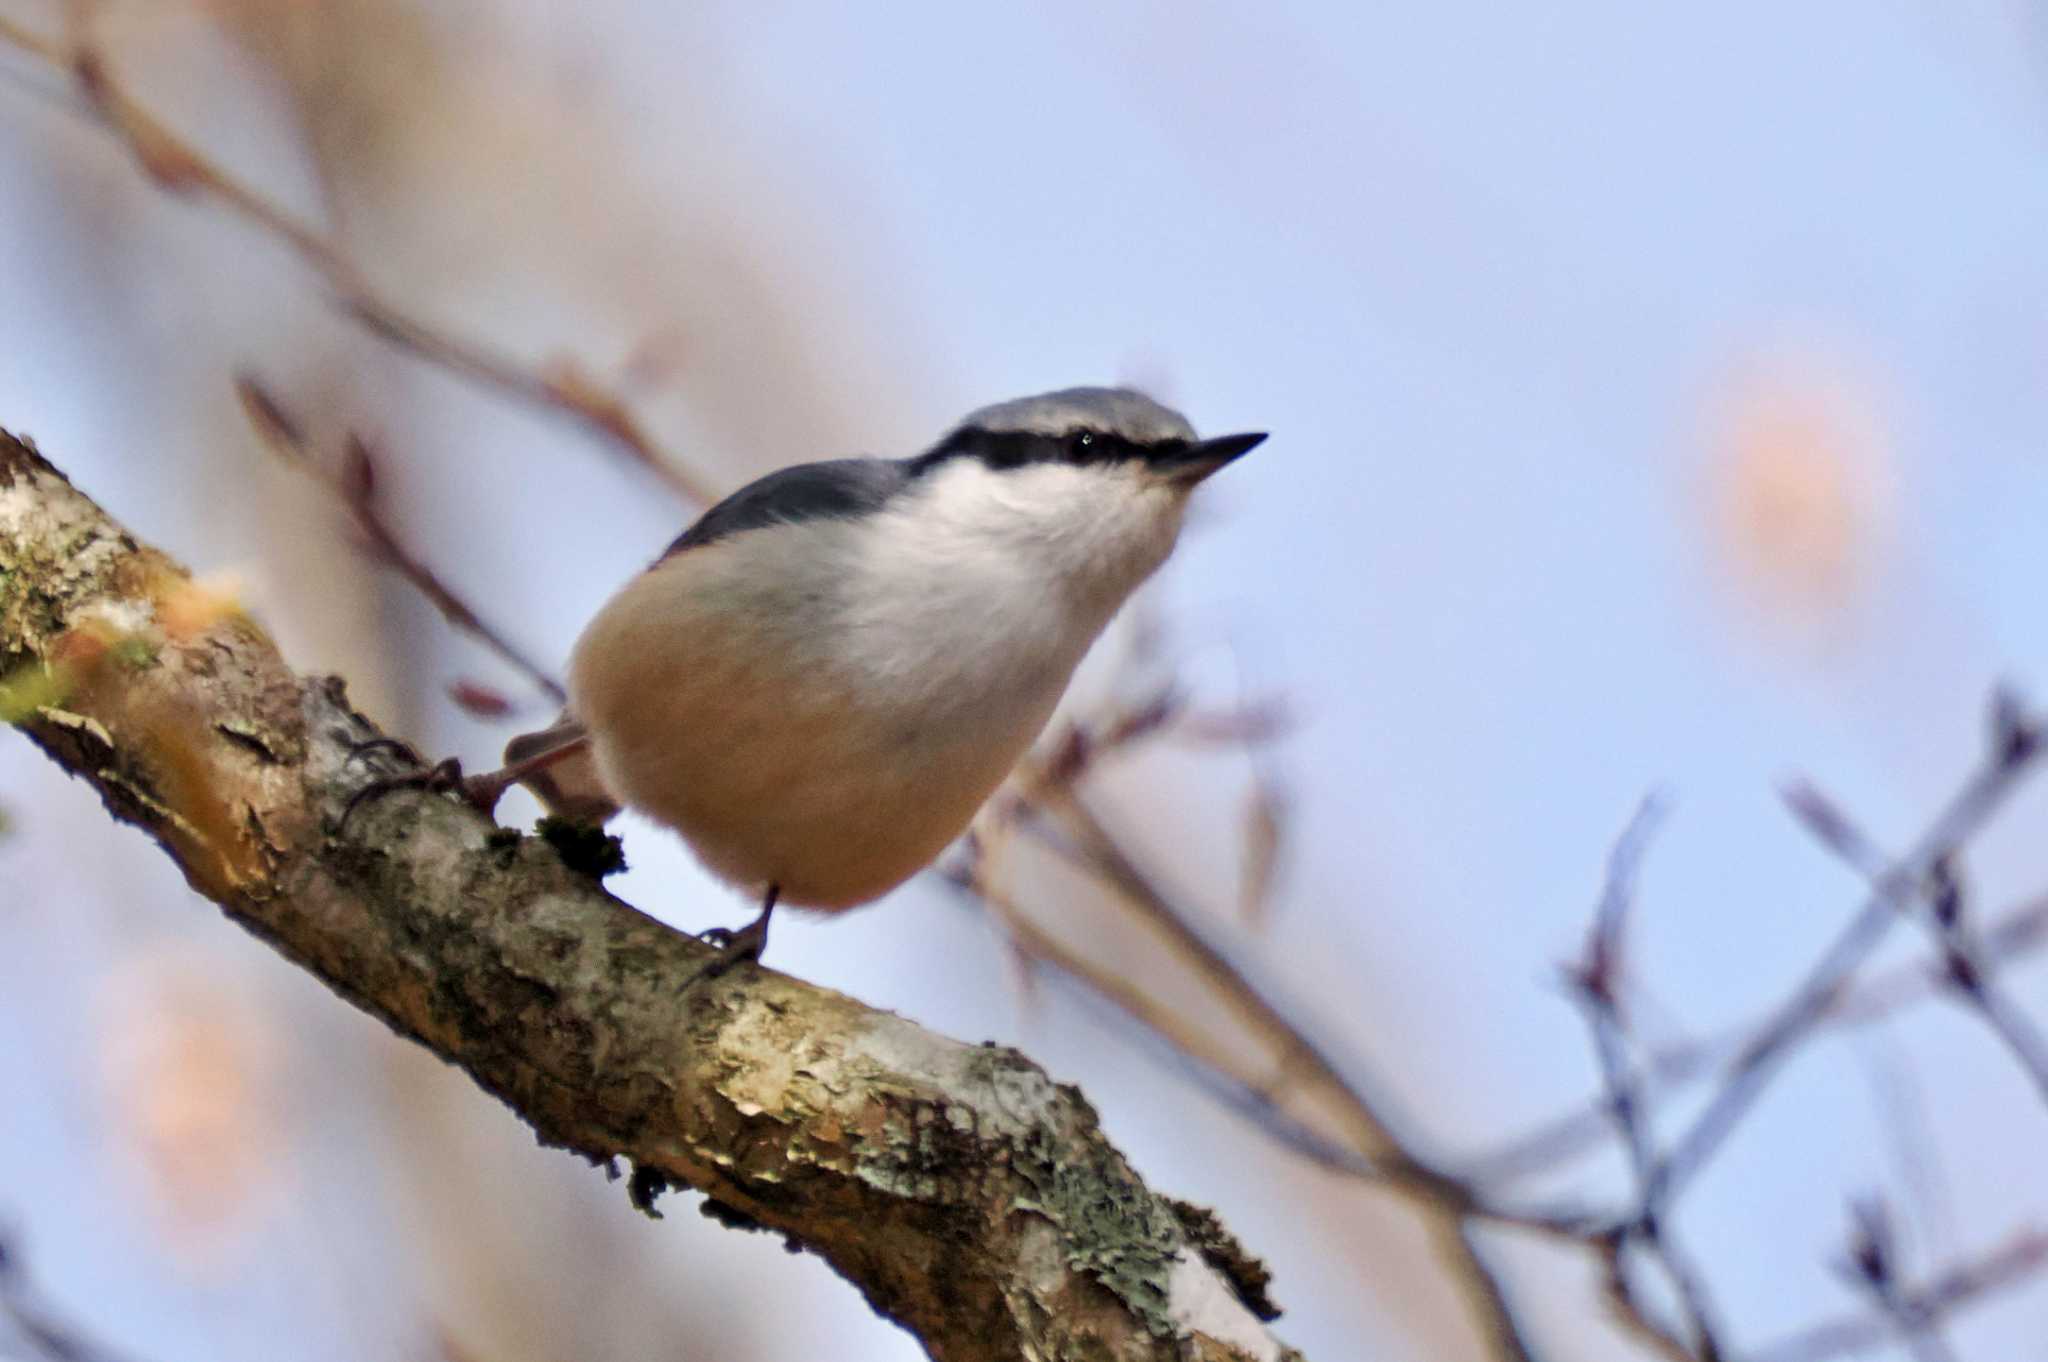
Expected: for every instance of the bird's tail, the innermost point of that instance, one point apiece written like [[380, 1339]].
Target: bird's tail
[[569, 788]]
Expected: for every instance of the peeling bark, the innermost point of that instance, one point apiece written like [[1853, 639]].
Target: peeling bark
[[969, 1197]]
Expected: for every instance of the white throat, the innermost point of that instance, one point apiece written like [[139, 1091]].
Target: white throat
[[979, 588], [1089, 534]]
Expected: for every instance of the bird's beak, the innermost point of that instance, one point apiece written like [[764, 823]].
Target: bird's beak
[[1197, 460]]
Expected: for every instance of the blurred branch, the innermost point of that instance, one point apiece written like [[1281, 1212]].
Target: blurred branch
[[355, 488], [1048, 791], [1047, 803], [2014, 744], [969, 1198], [1873, 1266], [42, 1335], [180, 168], [1967, 969], [2016, 933], [2020, 1258], [1596, 984], [1257, 1098]]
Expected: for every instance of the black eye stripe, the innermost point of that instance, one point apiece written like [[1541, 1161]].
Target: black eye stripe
[[1015, 449], [1094, 446]]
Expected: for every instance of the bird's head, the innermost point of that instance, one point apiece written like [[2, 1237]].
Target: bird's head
[[1116, 431], [1089, 484]]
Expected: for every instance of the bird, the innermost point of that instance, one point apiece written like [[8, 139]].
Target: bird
[[821, 681]]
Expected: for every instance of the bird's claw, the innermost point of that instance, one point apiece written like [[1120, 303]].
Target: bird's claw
[[735, 947], [441, 777], [396, 747]]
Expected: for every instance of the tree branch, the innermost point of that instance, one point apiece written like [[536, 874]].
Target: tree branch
[[968, 1197], [180, 167]]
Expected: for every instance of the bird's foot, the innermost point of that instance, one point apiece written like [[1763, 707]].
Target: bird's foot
[[441, 776], [394, 747], [735, 946], [481, 793]]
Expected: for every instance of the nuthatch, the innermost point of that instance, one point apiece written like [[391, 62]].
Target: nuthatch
[[822, 680]]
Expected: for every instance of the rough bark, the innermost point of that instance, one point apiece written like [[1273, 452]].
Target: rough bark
[[968, 1196]]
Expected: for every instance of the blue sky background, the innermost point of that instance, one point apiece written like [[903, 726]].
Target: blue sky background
[[1500, 281]]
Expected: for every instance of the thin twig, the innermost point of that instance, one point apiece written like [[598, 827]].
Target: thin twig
[[1443, 1202], [1047, 787], [1151, 1015], [1212, 1068], [1094, 850], [1597, 985], [179, 167], [2021, 1258], [1874, 1268], [41, 1333], [1967, 968], [1627, 1311], [2017, 933], [354, 489], [1078, 836], [35, 45], [2013, 747]]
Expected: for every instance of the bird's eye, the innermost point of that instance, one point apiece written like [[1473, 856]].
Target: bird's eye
[[1080, 444]]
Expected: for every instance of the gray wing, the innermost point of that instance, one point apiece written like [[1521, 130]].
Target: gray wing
[[809, 491]]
